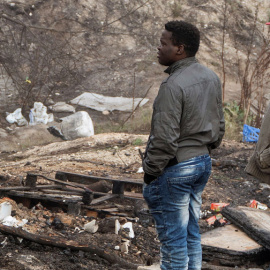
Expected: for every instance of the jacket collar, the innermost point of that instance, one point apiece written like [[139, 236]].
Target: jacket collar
[[180, 64]]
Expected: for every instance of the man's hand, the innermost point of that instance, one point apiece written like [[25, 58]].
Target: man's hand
[[148, 178]]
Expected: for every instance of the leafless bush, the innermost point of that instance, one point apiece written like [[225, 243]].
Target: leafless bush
[[253, 71], [40, 62]]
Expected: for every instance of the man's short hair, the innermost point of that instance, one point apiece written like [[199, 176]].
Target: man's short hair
[[186, 34]]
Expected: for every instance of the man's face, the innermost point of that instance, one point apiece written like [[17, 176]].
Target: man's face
[[167, 52]]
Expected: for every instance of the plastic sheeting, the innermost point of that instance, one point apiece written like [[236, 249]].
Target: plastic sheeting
[[17, 117], [38, 115], [77, 125], [103, 103]]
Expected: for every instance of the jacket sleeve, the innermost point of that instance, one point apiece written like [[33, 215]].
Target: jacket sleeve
[[165, 131], [263, 159], [259, 165], [217, 143]]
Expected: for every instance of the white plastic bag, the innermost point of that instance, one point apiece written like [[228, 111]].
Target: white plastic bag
[[17, 117], [77, 125], [38, 114]]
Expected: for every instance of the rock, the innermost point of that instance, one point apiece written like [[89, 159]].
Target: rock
[[105, 112], [3, 133], [67, 220], [56, 132], [101, 186], [124, 246], [62, 107], [77, 125], [49, 102], [57, 224], [108, 225], [91, 226]]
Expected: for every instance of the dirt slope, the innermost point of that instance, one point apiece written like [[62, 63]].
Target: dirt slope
[[115, 41]]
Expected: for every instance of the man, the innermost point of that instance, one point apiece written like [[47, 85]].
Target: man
[[259, 163], [187, 122]]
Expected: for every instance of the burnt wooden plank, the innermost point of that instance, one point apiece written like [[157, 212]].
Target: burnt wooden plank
[[67, 244], [88, 179], [230, 246], [60, 182], [31, 180], [64, 192], [93, 212], [254, 222], [118, 187], [104, 198], [133, 195], [230, 238], [87, 197], [3, 189], [42, 196]]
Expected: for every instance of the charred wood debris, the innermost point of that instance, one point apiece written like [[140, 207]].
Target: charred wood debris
[[62, 210]]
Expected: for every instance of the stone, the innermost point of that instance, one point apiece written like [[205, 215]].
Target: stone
[[91, 226], [62, 107]]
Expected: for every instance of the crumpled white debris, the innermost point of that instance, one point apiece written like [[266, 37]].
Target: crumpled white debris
[[13, 222]]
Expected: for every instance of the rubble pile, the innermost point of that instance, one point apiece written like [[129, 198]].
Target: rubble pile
[[121, 237]]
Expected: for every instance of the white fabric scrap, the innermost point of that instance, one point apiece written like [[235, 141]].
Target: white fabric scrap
[[106, 103]]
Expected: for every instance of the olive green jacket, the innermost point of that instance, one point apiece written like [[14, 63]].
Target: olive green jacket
[[187, 118], [259, 163]]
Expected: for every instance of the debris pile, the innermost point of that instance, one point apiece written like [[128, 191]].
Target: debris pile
[[238, 235], [107, 224]]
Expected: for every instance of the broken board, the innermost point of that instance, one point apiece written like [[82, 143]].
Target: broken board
[[230, 246], [254, 222]]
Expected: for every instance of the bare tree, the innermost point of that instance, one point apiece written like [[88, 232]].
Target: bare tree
[[40, 62], [224, 29], [253, 70]]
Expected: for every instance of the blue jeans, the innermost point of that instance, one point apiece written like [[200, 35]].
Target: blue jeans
[[174, 201]]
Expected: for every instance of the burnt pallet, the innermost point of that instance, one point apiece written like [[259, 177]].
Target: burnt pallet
[[254, 222], [73, 194], [118, 184]]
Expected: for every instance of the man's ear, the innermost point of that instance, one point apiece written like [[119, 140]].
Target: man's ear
[[180, 50]]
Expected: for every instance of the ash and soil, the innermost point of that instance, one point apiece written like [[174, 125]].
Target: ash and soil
[[114, 155]]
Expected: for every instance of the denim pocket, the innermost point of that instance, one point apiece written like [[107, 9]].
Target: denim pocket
[[179, 188], [180, 182]]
